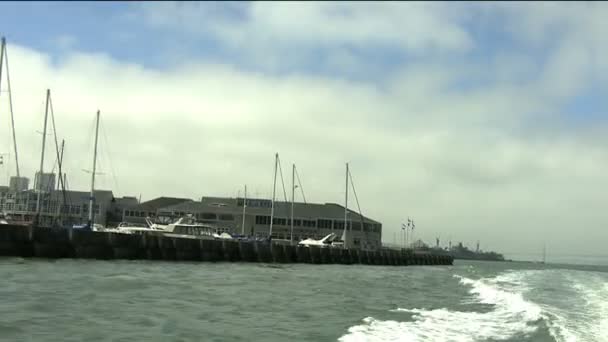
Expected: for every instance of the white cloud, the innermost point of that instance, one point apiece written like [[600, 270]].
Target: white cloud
[[281, 34]]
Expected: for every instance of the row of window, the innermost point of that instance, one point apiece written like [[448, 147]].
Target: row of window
[[199, 216], [213, 216], [320, 223], [254, 203], [134, 213]]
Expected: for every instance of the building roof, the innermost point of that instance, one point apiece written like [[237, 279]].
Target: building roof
[[159, 202], [281, 209], [127, 201], [101, 196]]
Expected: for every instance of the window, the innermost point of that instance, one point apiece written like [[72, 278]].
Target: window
[[356, 226], [227, 217], [209, 216], [280, 221], [297, 222], [255, 203], [309, 223], [265, 220], [324, 223], [338, 225]]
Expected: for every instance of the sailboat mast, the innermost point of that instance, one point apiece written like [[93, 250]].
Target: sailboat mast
[[2, 47], [293, 190], [544, 252], [39, 185], [244, 208], [4, 55], [92, 197], [345, 207], [274, 189]]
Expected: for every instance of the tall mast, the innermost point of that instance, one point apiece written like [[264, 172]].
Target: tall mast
[[293, 190], [61, 181], [2, 47], [46, 116], [345, 207], [4, 55], [244, 207], [92, 197], [544, 252], [274, 188]]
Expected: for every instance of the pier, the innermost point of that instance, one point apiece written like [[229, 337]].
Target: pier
[[24, 241]]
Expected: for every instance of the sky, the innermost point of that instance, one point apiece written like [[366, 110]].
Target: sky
[[481, 121]]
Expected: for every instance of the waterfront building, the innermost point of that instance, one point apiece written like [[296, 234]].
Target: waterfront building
[[311, 220], [138, 212], [58, 208]]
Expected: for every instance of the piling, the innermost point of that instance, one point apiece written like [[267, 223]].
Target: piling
[[25, 241], [247, 252]]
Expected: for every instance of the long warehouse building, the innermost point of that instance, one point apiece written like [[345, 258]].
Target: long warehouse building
[[311, 220]]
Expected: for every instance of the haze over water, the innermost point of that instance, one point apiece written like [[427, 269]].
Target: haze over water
[[81, 300]]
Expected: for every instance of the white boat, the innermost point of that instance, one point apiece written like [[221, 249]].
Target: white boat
[[327, 241], [187, 227]]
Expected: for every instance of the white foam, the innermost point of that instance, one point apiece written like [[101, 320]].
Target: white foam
[[511, 315], [583, 314]]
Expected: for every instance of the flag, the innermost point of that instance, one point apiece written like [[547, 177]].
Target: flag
[[413, 225], [403, 226]]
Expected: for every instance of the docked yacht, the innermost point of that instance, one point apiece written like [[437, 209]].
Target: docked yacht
[[327, 241], [187, 227]]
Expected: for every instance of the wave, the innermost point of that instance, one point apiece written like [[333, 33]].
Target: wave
[[579, 312], [511, 316]]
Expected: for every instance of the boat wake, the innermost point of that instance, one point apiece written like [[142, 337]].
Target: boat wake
[[511, 316]]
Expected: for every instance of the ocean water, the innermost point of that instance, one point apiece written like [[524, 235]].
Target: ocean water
[[82, 300]]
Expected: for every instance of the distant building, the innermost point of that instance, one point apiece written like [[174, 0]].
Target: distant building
[[310, 219], [137, 213], [57, 209], [44, 182], [17, 184]]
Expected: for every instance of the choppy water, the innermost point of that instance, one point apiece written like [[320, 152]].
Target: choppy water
[[78, 300]]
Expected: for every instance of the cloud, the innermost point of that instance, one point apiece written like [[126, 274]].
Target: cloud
[[417, 26], [283, 36], [470, 150]]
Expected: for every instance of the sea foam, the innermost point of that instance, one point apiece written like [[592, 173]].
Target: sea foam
[[511, 315]]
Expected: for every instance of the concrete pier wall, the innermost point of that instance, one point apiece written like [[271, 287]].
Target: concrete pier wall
[[64, 243]]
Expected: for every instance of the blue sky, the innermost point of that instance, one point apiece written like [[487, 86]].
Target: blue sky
[[499, 103]]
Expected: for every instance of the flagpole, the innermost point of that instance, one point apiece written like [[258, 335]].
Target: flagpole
[[402, 236], [413, 225]]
